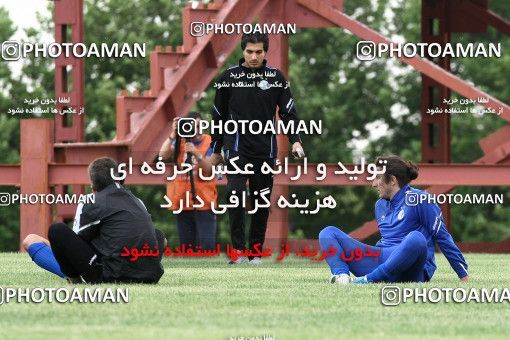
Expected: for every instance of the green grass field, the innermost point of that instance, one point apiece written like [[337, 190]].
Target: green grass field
[[199, 299]]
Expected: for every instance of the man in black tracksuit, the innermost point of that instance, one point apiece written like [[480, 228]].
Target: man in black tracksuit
[[116, 219], [251, 91]]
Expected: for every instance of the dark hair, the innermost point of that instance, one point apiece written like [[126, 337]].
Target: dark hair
[[100, 173], [404, 171], [255, 38]]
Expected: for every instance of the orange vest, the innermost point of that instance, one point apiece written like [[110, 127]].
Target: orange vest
[[180, 187]]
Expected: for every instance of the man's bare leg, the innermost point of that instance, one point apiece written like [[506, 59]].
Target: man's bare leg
[[34, 238], [39, 250]]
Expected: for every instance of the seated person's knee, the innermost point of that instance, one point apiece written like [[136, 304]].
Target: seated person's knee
[[56, 229], [328, 231], [416, 240]]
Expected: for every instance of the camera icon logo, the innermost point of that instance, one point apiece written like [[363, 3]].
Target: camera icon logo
[[197, 29], [390, 295], [5, 199], [11, 50], [365, 50], [187, 127], [412, 199]]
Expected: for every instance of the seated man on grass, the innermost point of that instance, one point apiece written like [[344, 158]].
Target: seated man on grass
[[91, 251], [410, 224]]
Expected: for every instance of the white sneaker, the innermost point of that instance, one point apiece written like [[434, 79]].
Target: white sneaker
[[361, 279], [342, 279], [256, 261], [240, 260]]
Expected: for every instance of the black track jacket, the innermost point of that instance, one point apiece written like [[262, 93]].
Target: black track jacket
[[116, 220], [246, 94]]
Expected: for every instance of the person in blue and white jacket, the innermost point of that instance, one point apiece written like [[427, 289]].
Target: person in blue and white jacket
[[410, 223]]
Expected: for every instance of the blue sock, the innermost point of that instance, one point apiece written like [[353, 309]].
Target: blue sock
[[42, 255]]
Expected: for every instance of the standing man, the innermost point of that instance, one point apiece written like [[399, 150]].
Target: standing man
[[251, 91]]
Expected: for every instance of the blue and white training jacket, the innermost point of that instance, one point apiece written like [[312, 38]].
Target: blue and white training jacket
[[411, 209]]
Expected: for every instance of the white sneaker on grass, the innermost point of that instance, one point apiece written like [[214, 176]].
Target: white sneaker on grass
[[342, 279], [361, 279], [256, 261], [240, 260]]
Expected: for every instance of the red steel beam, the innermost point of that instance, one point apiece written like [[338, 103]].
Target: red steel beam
[[435, 129], [489, 17], [84, 153], [126, 106], [35, 218], [10, 174], [69, 80], [303, 18], [278, 56], [357, 28], [485, 247], [495, 139], [68, 17]]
